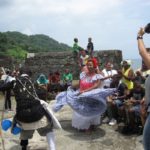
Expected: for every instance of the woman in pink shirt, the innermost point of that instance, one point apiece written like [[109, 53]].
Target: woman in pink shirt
[[88, 101]]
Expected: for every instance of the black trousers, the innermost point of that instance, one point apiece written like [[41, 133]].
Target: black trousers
[[7, 99], [24, 144]]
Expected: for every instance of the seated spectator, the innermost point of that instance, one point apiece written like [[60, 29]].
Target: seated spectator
[[54, 82], [42, 81], [55, 78], [108, 72], [143, 112], [67, 79], [127, 73], [42, 86], [116, 101], [134, 99], [50, 77]]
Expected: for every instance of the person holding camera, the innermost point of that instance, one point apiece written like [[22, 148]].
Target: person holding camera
[[146, 57]]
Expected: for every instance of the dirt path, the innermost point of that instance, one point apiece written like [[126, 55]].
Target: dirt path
[[104, 138]]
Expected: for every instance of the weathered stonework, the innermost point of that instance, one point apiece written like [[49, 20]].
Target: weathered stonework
[[58, 61], [6, 61]]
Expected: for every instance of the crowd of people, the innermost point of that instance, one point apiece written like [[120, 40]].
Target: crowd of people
[[101, 96], [128, 104]]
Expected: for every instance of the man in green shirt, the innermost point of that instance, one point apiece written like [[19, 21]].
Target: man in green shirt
[[67, 78], [76, 48]]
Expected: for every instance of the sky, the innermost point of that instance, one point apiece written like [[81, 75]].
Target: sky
[[112, 24]]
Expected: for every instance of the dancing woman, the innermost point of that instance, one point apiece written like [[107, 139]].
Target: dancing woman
[[88, 101]]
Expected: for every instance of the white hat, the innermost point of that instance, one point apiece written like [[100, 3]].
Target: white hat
[[129, 62]]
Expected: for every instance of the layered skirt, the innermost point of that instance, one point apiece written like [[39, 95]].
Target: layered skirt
[[87, 106]]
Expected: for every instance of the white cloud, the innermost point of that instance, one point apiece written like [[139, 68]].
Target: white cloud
[[76, 7], [111, 23], [27, 31]]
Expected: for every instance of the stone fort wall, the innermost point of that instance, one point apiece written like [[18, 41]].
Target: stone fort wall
[[59, 61]]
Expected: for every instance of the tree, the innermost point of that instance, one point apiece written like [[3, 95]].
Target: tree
[[3, 42]]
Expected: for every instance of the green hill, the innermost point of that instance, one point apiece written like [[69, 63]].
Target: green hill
[[16, 44]]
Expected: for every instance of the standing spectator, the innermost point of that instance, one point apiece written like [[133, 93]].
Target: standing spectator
[[146, 57], [142, 73], [76, 48], [90, 46], [7, 92], [83, 58]]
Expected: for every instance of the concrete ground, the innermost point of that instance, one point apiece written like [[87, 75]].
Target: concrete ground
[[104, 138]]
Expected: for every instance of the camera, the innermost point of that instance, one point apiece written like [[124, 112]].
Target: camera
[[147, 28]]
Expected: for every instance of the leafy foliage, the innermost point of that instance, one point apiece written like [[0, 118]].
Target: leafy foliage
[[3, 42], [17, 53], [16, 44]]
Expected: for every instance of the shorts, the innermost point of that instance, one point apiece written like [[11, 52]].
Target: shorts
[[118, 103], [136, 110], [28, 134]]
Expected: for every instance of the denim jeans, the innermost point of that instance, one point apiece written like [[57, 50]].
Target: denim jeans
[[146, 134]]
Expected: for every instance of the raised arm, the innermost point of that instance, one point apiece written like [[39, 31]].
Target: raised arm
[[142, 49]]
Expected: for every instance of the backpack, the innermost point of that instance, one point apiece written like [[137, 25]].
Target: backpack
[[28, 108]]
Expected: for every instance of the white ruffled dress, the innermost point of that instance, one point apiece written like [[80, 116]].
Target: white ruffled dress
[[87, 106]]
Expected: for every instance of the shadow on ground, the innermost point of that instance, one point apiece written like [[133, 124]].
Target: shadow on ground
[[81, 136]]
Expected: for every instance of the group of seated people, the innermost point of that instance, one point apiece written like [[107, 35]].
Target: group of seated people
[[127, 104], [54, 83]]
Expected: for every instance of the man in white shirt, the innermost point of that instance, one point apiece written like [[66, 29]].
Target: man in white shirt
[[83, 58], [108, 74]]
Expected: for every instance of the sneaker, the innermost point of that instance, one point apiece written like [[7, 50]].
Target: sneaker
[[112, 122]]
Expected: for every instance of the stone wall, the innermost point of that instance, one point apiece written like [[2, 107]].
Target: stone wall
[[58, 61], [6, 62]]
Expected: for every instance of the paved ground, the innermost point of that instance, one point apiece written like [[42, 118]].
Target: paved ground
[[104, 138]]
